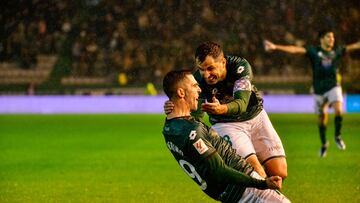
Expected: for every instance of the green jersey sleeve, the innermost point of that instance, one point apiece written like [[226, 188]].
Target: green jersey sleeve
[[202, 142], [240, 71], [222, 172]]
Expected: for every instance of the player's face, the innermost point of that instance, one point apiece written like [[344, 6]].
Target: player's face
[[213, 70], [328, 40], [192, 91]]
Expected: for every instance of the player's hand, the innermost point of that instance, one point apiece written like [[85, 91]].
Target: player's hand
[[269, 46], [274, 182], [214, 107], [168, 107]]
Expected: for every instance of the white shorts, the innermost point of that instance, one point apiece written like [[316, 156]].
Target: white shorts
[[329, 97], [255, 136], [262, 196]]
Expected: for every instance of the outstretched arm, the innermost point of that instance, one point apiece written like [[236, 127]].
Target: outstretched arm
[[353, 47], [269, 46]]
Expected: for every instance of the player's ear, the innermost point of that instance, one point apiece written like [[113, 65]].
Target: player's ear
[[180, 92], [223, 60]]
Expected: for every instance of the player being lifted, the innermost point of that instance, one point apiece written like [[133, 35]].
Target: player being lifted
[[324, 59], [236, 109], [207, 158]]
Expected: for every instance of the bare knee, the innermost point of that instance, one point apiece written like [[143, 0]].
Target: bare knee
[[276, 167]]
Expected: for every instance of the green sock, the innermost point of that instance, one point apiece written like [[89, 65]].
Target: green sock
[[322, 131], [338, 125]]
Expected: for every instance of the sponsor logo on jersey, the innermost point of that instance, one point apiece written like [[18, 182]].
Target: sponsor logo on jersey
[[192, 135], [242, 84], [200, 146], [240, 69]]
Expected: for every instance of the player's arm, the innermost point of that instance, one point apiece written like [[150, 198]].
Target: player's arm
[[238, 105], [218, 169], [216, 166], [353, 47], [241, 89], [269, 46], [241, 98]]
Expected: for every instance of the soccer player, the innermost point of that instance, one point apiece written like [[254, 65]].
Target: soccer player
[[324, 59], [208, 159], [236, 109]]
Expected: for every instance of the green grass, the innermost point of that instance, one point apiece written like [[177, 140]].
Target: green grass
[[123, 158]]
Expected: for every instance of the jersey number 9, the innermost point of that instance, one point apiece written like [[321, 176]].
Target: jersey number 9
[[191, 171]]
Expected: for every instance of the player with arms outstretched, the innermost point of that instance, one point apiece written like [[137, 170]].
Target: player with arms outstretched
[[328, 92]]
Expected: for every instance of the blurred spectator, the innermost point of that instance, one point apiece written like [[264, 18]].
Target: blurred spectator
[[146, 39]]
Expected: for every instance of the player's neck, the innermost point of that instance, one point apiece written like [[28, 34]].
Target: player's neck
[[181, 109], [326, 48]]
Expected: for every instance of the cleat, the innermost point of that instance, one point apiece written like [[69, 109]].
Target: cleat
[[340, 143], [323, 150]]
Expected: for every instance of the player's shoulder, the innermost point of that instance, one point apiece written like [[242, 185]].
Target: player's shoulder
[[340, 49], [238, 66], [235, 60], [197, 75], [180, 126], [310, 49]]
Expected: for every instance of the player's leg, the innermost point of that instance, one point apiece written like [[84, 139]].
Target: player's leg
[[268, 146], [276, 166], [336, 100], [323, 118], [235, 134], [321, 109], [263, 196]]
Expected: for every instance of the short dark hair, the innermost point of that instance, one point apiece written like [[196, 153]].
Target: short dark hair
[[323, 32], [172, 79], [207, 49]]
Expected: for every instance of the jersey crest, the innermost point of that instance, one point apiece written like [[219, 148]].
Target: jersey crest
[[326, 60]]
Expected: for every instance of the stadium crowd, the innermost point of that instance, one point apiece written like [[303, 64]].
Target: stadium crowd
[[146, 39]]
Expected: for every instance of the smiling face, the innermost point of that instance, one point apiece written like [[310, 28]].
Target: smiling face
[[191, 92], [213, 70]]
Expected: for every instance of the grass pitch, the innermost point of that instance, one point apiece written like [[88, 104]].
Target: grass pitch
[[123, 158]]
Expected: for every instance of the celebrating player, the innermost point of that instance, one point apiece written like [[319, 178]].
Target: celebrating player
[[327, 89], [204, 156], [236, 109]]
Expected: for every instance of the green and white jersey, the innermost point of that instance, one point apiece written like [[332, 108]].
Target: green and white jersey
[[237, 91], [324, 67], [208, 159]]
